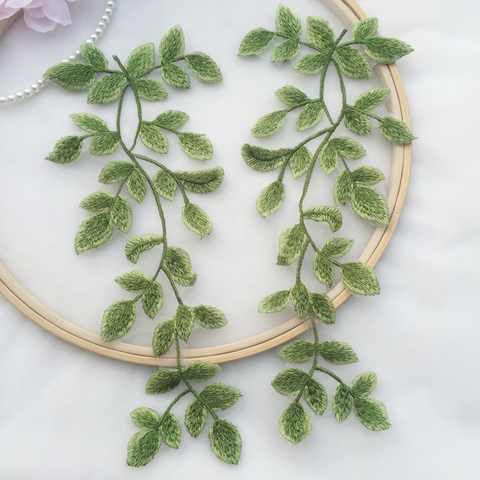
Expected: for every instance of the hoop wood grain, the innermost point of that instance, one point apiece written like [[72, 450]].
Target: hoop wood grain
[[349, 13]]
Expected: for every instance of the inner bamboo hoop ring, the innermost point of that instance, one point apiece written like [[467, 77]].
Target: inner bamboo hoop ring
[[349, 13]]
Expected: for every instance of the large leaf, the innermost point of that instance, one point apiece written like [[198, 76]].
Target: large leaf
[[256, 42], [177, 263], [295, 424], [204, 67], [71, 76], [271, 198], [142, 447], [264, 159], [225, 441], [117, 320], [141, 60], [172, 45], [94, 231]]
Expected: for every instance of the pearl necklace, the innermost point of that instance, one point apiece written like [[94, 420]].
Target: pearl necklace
[[41, 82]]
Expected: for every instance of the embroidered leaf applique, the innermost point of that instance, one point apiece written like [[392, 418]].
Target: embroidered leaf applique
[[271, 198], [142, 447], [275, 302], [295, 424], [225, 441], [196, 417], [66, 150], [163, 337], [315, 396], [118, 319], [298, 351], [209, 317], [72, 76]]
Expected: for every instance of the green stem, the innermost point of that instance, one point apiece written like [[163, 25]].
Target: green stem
[[336, 377], [337, 41], [197, 396], [177, 398], [306, 44], [163, 64]]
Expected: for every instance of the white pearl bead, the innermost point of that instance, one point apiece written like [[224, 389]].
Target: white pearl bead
[[11, 98], [41, 82], [99, 32], [109, 12], [111, 4], [28, 92], [3, 100], [72, 58], [93, 37], [65, 60], [19, 95], [105, 18], [34, 87], [89, 41], [102, 25], [77, 53]]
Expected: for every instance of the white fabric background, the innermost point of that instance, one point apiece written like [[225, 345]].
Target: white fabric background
[[64, 412]]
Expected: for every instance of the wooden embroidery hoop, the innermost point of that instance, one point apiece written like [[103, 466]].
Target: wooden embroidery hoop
[[349, 13]]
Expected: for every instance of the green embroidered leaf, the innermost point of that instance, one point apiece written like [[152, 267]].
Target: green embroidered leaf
[[264, 159], [287, 22], [170, 430], [323, 269], [357, 122], [341, 403], [219, 396], [163, 337], [352, 63], [287, 50], [175, 76], [292, 241], [386, 50], [291, 96], [364, 29], [271, 198], [150, 89], [97, 201], [121, 214], [145, 418], [204, 67], [200, 371], [312, 63], [196, 219], [196, 417], [117, 320], [321, 307], [115, 171], [370, 205], [196, 145], [152, 299], [89, 123], [360, 278], [367, 175], [343, 188], [66, 150], [104, 143], [315, 396], [300, 296], [171, 119], [107, 89], [209, 317], [320, 33], [141, 60], [295, 424], [225, 441], [298, 351], [141, 243], [177, 263], [395, 131], [371, 98], [329, 158], [290, 381], [310, 115], [371, 413], [336, 247], [153, 138], [94, 57], [269, 124], [162, 380], [348, 147], [275, 302], [137, 185], [172, 45], [338, 353], [201, 181], [256, 42], [300, 161], [184, 320], [331, 215], [135, 281], [94, 231], [142, 447], [165, 184], [71, 76], [364, 384]]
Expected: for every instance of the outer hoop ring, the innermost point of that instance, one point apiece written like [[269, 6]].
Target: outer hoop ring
[[350, 13]]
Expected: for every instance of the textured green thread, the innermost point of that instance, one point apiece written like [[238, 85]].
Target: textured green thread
[[175, 265], [350, 186]]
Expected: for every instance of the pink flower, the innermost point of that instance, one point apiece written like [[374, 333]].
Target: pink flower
[[39, 15]]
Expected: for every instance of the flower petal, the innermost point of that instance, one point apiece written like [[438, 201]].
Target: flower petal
[[57, 10], [39, 24]]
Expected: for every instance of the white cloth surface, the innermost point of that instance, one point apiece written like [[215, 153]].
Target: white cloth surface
[[64, 412]]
